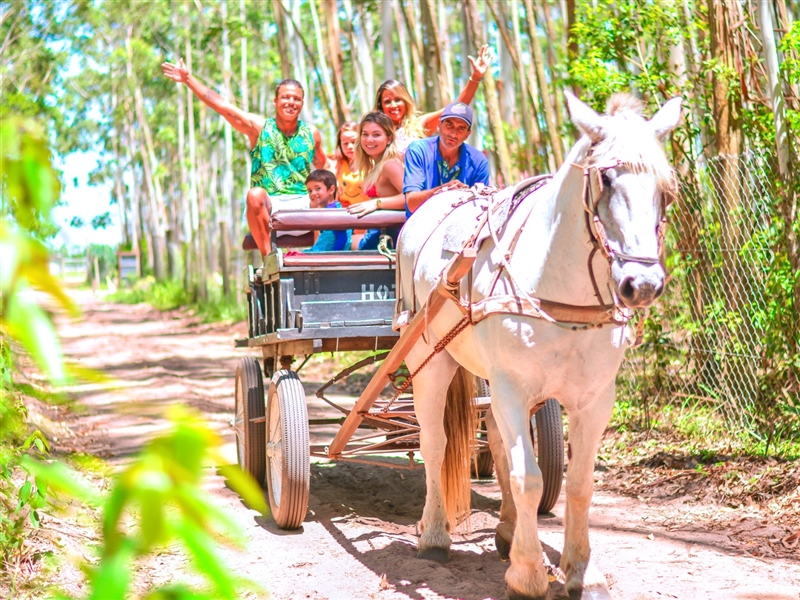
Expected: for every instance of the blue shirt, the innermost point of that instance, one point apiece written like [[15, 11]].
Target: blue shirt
[[425, 168], [332, 241]]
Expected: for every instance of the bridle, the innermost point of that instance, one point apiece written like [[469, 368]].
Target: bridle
[[593, 188]]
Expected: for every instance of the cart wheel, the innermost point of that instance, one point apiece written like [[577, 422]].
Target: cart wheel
[[250, 437], [483, 465], [287, 450], [549, 444]]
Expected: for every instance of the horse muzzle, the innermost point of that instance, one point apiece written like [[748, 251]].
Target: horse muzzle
[[639, 285]]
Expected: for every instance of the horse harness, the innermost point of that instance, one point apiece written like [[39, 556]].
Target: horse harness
[[569, 316]]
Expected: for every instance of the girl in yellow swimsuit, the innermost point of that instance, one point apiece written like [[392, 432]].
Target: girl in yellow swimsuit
[[348, 178]]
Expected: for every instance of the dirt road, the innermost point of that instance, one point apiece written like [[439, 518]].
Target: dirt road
[[358, 540]]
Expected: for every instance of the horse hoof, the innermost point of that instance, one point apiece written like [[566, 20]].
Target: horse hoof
[[503, 547], [514, 595], [439, 555]]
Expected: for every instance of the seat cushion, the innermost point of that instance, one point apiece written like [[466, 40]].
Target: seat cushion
[[335, 259], [284, 241], [334, 218]]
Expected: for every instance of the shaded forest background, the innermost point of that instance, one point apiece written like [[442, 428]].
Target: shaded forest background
[[725, 341]]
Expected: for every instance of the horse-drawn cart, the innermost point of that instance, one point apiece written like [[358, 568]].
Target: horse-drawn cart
[[300, 304]]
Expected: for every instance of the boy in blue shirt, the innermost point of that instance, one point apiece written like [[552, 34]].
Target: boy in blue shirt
[[321, 186], [443, 161]]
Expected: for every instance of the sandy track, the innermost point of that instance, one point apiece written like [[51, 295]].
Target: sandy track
[[360, 528]]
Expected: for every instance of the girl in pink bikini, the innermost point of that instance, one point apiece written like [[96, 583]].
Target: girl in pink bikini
[[381, 167]]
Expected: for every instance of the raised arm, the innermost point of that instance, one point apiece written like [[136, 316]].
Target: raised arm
[[244, 122], [320, 160], [430, 121]]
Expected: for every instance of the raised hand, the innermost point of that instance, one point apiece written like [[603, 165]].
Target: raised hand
[[480, 64], [179, 72]]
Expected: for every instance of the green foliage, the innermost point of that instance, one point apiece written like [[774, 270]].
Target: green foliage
[[29, 189], [726, 335], [169, 295], [161, 489], [161, 494], [619, 48]]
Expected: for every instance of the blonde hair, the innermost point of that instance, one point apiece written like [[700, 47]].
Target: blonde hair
[[368, 167], [338, 154], [412, 124]]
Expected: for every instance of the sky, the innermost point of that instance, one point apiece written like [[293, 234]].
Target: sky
[[84, 201]]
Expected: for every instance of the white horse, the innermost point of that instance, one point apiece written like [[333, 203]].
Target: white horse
[[542, 331]]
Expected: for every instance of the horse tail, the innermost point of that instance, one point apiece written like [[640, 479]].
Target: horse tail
[[460, 426]]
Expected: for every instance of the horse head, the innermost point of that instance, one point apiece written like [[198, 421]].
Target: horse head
[[629, 185]]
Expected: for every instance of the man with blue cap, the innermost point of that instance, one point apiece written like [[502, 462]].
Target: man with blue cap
[[443, 161]]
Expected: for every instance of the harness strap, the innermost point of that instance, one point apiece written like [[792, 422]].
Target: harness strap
[[582, 317]]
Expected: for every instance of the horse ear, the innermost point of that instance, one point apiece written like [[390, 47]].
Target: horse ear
[[667, 118], [585, 119]]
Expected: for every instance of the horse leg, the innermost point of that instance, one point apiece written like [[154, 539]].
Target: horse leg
[[526, 578], [508, 511], [430, 394], [586, 427]]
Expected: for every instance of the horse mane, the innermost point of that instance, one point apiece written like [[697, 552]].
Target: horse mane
[[623, 141], [619, 102]]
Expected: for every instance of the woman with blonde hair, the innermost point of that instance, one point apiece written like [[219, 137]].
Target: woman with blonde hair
[[380, 166], [347, 176], [395, 101]]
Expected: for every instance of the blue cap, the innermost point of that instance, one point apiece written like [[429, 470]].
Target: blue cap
[[458, 110]]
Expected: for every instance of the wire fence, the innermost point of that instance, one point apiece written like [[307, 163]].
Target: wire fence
[[710, 339]]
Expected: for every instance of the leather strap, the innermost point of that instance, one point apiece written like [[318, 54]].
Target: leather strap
[[584, 317]]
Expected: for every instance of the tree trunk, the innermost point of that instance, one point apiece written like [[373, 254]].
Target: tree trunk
[[432, 56], [722, 14], [466, 71], [447, 53], [331, 12], [509, 62], [283, 48], [119, 192], [572, 43], [323, 65], [387, 40], [228, 209], [693, 60], [774, 84], [199, 284], [263, 94], [527, 78], [558, 97], [547, 105], [130, 152], [490, 93], [415, 41], [363, 93], [532, 135], [150, 164], [402, 38], [296, 46]]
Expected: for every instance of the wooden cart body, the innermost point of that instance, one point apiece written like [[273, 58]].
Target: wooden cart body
[[300, 304]]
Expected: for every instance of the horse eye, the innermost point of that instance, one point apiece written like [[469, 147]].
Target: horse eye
[[606, 180]]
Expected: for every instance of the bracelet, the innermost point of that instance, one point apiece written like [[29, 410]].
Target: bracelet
[[475, 80], [378, 204]]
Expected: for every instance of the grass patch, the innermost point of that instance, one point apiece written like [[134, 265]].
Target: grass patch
[[169, 295], [697, 428]]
